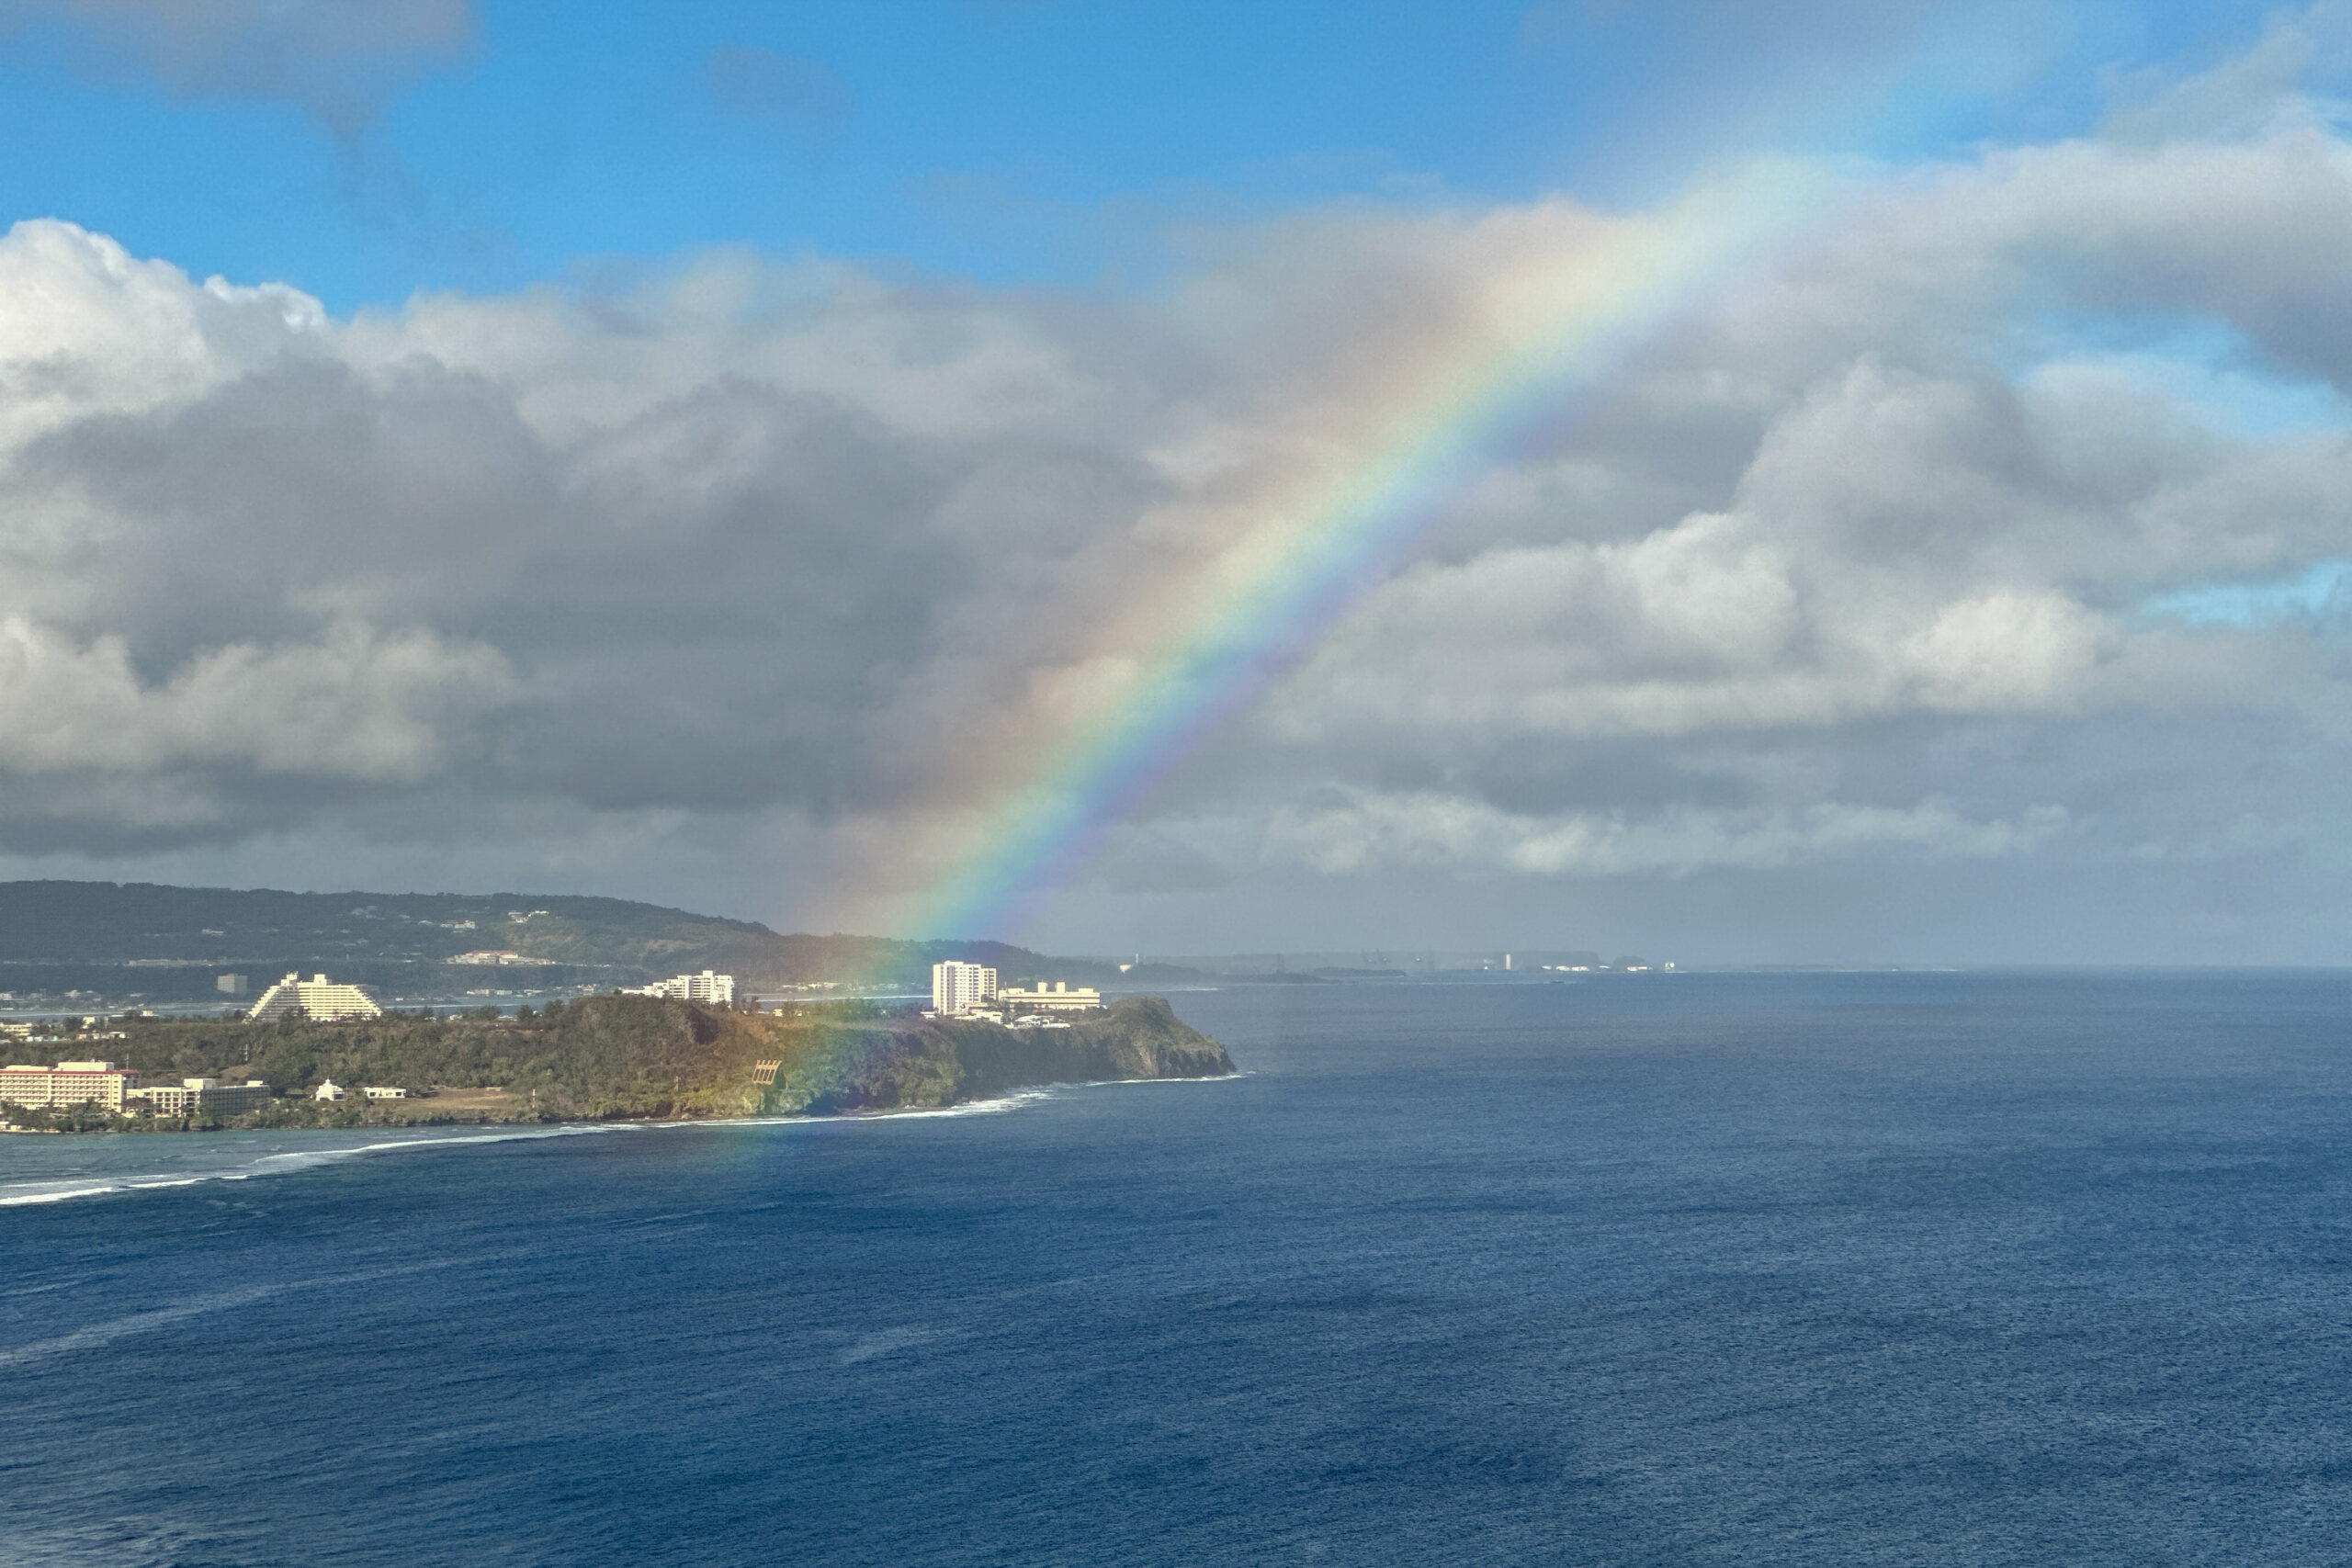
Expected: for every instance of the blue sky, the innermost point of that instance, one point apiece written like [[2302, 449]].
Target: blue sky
[[1055, 141]]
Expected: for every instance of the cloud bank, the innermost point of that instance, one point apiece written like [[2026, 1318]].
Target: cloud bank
[[723, 586]]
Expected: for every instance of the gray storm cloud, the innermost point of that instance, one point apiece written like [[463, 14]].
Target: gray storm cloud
[[340, 59], [720, 577]]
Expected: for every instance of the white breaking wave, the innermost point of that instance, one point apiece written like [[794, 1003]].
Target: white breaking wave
[[1138, 1083], [40, 1193], [281, 1162], [58, 1190], [996, 1107]]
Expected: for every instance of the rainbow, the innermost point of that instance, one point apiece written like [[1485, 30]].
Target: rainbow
[[1569, 323]]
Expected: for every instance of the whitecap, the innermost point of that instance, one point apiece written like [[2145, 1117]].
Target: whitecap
[[280, 1162]]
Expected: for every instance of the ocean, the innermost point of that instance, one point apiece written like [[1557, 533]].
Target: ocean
[[1947, 1269]]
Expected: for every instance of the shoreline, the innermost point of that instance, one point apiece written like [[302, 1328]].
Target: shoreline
[[751, 1117], [288, 1161], [620, 1059]]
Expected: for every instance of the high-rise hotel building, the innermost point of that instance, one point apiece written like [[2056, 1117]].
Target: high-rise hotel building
[[69, 1084], [318, 998], [961, 987]]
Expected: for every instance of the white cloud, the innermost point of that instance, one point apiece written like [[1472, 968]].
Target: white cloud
[[795, 545], [2004, 652], [87, 329]]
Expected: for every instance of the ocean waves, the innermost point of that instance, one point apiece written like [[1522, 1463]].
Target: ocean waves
[[56, 1170], [224, 1158]]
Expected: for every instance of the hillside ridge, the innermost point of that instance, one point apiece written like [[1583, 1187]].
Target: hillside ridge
[[59, 934]]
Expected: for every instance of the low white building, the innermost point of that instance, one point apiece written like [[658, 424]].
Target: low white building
[[1059, 997], [379, 1091], [714, 991], [316, 997], [195, 1096]]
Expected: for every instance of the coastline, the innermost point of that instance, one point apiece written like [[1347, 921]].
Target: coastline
[[632, 1061], [261, 1153]]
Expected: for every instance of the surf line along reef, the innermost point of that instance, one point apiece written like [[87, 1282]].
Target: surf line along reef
[[610, 1058]]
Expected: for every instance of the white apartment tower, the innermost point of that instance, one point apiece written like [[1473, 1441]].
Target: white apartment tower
[[961, 987]]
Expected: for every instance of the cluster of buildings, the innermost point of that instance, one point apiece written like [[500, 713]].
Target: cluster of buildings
[[970, 990], [716, 990], [87, 1031], [71, 1084], [105, 1086], [331, 1091]]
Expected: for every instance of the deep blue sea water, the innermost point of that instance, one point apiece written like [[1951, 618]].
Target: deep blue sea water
[[1760, 1269]]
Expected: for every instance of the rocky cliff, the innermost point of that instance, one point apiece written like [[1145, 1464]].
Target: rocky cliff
[[896, 1064]]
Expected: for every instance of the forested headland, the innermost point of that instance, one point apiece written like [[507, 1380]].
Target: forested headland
[[622, 1057]]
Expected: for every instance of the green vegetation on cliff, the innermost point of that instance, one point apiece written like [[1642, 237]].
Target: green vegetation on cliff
[[644, 1056], [893, 1063]]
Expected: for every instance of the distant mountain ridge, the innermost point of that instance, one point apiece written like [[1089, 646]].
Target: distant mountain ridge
[[391, 939]]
